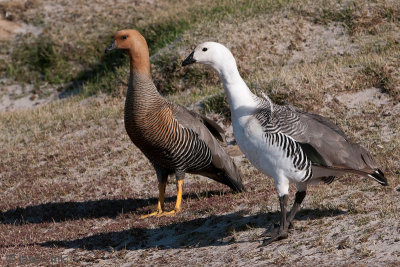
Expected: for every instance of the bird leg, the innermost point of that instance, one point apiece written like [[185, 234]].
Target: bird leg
[[296, 205], [160, 203], [281, 231], [177, 209], [162, 182]]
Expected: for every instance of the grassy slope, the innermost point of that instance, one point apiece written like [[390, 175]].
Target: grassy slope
[[70, 178]]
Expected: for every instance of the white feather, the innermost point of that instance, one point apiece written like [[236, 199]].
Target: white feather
[[250, 136]]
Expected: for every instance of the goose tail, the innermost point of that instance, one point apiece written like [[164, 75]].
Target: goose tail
[[233, 178], [378, 176]]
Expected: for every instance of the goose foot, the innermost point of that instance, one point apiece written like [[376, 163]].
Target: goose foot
[[156, 213], [281, 231], [275, 230], [277, 233], [160, 214], [168, 213]]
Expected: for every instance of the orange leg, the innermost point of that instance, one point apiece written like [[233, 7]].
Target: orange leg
[[179, 186], [160, 203]]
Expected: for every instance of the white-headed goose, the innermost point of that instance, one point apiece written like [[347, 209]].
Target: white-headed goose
[[284, 142]]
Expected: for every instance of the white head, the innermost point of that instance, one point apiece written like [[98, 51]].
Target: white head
[[213, 54], [222, 61]]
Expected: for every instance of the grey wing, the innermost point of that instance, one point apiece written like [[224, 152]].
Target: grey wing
[[222, 168], [325, 121], [323, 141], [195, 122], [211, 125]]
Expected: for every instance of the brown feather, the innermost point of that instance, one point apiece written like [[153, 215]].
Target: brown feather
[[174, 139]]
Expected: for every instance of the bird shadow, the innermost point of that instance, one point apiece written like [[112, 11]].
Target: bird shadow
[[214, 230], [75, 210]]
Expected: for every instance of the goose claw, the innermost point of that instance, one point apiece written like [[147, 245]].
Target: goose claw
[[274, 235]]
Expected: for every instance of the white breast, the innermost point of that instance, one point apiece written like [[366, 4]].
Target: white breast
[[269, 159]]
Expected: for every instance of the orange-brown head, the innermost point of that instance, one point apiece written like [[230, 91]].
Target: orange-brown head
[[135, 44]]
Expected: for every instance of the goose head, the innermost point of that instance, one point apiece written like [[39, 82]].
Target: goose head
[[135, 44], [212, 54], [127, 40]]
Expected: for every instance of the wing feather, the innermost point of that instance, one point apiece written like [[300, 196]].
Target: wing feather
[[324, 143], [223, 168], [328, 141]]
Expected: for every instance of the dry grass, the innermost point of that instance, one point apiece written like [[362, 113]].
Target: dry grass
[[73, 184], [15, 10]]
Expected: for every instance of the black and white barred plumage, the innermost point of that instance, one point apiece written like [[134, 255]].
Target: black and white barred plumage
[[278, 134], [285, 143], [173, 138]]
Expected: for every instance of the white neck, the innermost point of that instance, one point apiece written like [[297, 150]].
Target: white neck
[[236, 90]]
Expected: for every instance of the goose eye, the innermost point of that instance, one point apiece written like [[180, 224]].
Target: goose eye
[[204, 49], [124, 37]]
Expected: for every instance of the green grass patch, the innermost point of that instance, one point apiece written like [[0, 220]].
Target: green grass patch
[[161, 34], [39, 59], [218, 104], [46, 60]]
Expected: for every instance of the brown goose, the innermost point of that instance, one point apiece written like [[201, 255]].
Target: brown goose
[[174, 139]]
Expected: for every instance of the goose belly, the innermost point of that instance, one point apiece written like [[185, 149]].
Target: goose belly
[[270, 159], [170, 146]]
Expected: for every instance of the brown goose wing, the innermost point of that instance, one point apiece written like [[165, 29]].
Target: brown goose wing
[[211, 125], [222, 168]]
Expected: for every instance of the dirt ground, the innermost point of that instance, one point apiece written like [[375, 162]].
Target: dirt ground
[[73, 185], [350, 222]]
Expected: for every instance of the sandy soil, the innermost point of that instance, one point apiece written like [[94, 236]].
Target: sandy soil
[[17, 96], [350, 222], [75, 198]]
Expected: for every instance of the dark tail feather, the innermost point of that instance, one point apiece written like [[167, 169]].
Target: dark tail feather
[[378, 176], [222, 168], [233, 179], [328, 179]]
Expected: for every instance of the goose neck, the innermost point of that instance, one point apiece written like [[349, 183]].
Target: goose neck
[[142, 92], [236, 90]]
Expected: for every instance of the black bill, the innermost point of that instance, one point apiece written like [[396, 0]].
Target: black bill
[[189, 60]]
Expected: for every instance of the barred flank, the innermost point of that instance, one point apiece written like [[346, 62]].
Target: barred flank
[[293, 152], [169, 135], [275, 137], [154, 130]]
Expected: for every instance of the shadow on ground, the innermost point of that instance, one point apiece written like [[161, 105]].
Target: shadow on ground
[[62, 211], [107, 63], [215, 230]]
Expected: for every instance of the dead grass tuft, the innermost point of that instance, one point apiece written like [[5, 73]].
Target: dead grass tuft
[[14, 10]]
